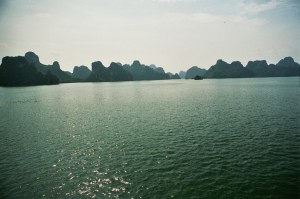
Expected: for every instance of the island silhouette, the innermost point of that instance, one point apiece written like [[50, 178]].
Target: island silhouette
[[28, 71]]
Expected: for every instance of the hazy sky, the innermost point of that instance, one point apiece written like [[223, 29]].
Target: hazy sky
[[174, 34]]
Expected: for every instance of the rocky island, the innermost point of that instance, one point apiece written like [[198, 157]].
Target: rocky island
[[27, 70]]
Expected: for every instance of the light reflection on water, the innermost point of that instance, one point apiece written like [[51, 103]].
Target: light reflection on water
[[158, 139]]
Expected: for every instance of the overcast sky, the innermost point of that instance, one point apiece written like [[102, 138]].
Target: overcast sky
[[174, 34]]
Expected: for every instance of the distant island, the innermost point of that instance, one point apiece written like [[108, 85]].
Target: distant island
[[28, 71]]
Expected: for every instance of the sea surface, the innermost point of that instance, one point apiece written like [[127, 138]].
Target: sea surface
[[222, 138]]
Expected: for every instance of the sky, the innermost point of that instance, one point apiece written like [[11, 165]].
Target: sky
[[173, 34]]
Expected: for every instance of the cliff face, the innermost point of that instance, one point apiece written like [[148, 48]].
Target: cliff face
[[224, 70], [143, 72], [115, 72], [17, 71], [173, 76], [287, 67], [194, 71], [99, 73], [118, 73], [260, 68], [32, 58], [63, 76], [182, 74], [81, 72], [176, 76], [284, 68]]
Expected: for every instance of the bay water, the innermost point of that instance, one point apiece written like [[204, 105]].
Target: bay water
[[215, 138]]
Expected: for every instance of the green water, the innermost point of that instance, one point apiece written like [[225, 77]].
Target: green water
[[231, 138]]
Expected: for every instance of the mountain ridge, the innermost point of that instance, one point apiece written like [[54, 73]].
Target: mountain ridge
[[13, 71]]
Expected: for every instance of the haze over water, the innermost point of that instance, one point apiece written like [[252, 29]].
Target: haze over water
[[222, 138]]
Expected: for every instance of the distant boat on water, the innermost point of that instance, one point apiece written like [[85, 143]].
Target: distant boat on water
[[198, 77]]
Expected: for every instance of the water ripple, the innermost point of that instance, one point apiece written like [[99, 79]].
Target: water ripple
[[184, 139]]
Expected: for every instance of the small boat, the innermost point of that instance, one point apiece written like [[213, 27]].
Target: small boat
[[198, 77]]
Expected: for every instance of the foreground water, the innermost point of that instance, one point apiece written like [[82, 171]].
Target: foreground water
[[233, 138]]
